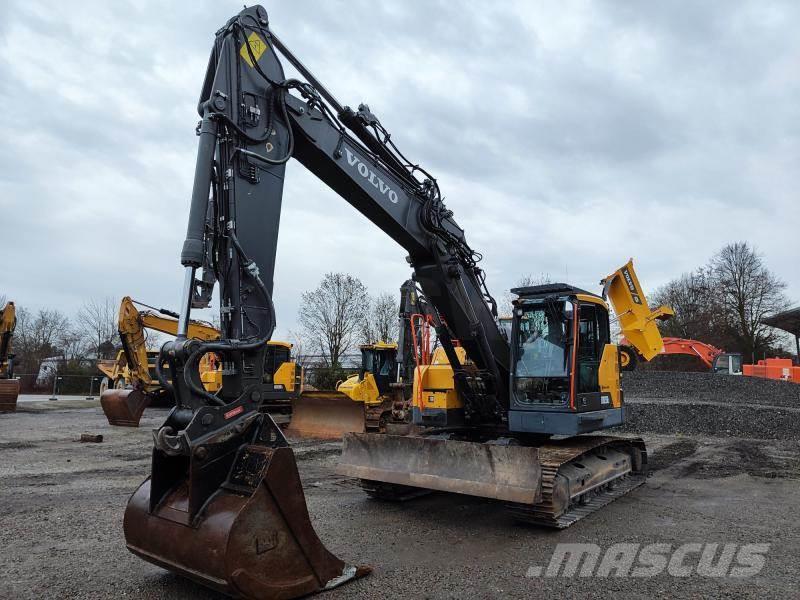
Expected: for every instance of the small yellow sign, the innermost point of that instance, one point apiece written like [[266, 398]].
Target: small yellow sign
[[257, 47]]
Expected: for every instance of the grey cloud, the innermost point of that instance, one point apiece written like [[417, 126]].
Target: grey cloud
[[566, 137]]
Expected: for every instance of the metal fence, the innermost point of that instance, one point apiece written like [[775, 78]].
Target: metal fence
[[68, 385], [319, 374]]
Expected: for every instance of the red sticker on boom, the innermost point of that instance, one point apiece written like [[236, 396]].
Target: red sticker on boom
[[232, 413]]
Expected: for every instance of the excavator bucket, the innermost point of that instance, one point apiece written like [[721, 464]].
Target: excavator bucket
[[124, 408], [325, 415], [502, 472], [9, 392], [253, 537]]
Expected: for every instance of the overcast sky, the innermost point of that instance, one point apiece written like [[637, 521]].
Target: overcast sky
[[566, 136]]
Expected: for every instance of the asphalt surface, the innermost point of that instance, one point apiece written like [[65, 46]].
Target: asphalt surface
[[62, 504]]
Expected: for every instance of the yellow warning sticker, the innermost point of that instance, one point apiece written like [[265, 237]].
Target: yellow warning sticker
[[257, 47]]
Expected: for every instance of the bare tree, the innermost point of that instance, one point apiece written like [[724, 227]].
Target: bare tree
[[698, 313], [748, 291], [524, 281], [99, 320], [73, 343], [331, 315], [725, 302], [37, 337], [380, 322]]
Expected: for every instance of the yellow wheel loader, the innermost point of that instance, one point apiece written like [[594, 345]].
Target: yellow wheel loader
[[9, 387], [362, 402], [377, 398], [224, 505]]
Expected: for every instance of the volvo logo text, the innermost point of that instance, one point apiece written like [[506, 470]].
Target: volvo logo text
[[370, 176]]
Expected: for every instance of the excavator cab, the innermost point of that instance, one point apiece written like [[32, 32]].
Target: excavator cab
[[728, 363], [565, 370]]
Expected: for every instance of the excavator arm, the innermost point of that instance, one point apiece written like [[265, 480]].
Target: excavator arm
[[217, 456], [253, 121], [124, 407]]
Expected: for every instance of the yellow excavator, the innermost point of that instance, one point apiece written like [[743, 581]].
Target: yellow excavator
[[9, 387], [131, 381], [224, 503], [435, 392]]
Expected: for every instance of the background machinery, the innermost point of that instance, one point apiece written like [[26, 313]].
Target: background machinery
[[224, 504], [716, 360], [9, 387], [377, 397], [642, 343], [641, 339], [131, 383]]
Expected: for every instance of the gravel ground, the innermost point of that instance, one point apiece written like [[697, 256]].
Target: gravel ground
[[62, 505]]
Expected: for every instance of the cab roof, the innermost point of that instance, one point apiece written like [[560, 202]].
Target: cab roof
[[550, 289], [534, 292]]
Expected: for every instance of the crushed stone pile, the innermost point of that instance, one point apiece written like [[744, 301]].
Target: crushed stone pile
[[710, 387], [707, 404]]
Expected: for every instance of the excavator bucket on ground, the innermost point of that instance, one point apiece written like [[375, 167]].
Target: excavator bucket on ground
[[9, 392], [234, 520], [124, 408], [325, 415]]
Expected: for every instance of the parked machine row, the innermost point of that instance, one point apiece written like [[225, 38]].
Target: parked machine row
[[133, 381]]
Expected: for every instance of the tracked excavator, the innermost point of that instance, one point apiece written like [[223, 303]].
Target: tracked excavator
[[224, 504], [377, 398], [9, 387], [130, 384]]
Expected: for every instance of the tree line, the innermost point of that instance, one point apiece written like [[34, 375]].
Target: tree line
[[724, 302], [76, 342], [49, 333]]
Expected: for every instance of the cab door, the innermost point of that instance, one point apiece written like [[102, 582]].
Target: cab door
[[593, 335]]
